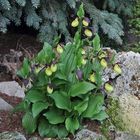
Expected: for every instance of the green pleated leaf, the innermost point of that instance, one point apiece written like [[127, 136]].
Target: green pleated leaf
[[68, 60], [100, 116], [62, 132], [45, 55], [29, 123], [62, 101], [37, 107], [95, 105], [43, 127], [25, 69], [81, 88], [96, 43], [47, 130], [81, 12], [72, 124], [82, 106], [35, 95], [54, 116], [22, 106]]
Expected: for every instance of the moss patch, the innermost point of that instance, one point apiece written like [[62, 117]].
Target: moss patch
[[114, 122]]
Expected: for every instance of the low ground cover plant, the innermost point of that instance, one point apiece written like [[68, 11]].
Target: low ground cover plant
[[66, 83]]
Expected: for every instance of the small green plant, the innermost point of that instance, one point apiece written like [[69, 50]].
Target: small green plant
[[66, 83]]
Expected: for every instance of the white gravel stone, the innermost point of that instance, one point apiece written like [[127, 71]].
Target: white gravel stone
[[4, 105], [12, 88]]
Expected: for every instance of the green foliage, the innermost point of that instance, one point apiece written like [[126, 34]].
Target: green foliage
[[114, 122], [72, 124], [135, 47], [53, 17], [135, 21], [29, 123], [24, 72], [110, 23], [120, 6], [134, 30], [62, 92]]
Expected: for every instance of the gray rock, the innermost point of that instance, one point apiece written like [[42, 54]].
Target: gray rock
[[126, 136], [35, 138], [86, 134], [129, 81], [4, 105], [127, 91], [11, 88], [11, 136], [129, 112]]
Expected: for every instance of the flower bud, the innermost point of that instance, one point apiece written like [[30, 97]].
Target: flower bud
[[59, 49], [108, 87], [49, 89], [75, 23], [103, 62], [92, 78], [53, 67], [48, 71], [79, 74], [85, 22], [25, 82], [88, 33], [117, 69]]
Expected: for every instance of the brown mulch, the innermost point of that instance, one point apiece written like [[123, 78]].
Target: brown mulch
[[10, 121], [12, 100], [92, 125]]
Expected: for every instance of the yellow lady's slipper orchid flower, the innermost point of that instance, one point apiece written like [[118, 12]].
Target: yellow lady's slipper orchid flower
[[37, 70], [48, 71], [59, 49], [92, 78], [88, 33], [49, 89], [85, 23], [83, 51], [75, 23], [53, 67], [108, 87], [103, 63], [102, 55], [83, 61], [117, 69]]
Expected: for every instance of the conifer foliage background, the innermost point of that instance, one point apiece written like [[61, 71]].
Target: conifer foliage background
[[51, 17]]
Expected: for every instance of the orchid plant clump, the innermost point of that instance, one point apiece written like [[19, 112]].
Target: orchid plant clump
[[66, 83]]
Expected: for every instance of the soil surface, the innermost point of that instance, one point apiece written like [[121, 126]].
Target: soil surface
[[29, 46], [13, 48], [10, 121]]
